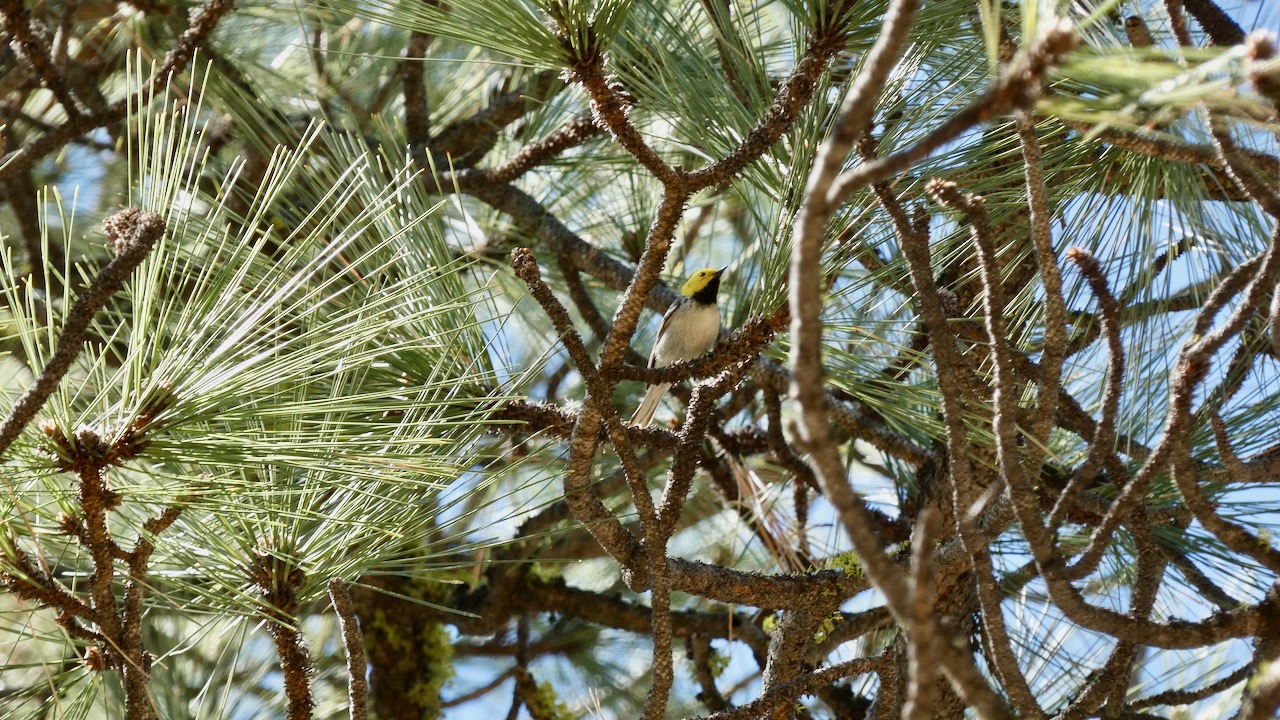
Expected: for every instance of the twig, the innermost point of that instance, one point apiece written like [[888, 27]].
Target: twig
[[533, 218], [821, 198], [133, 233], [655, 551], [1234, 535], [1191, 368], [1167, 148], [1262, 691], [1275, 321], [1218, 25], [784, 694], [701, 654], [32, 583], [585, 437], [1259, 187], [30, 46], [1112, 680], [1178, 22], [480, 691], [278, 579], [417, 110], [806, 305], [1008, 456], [698, 419], [1055, 316], [468, 139], [1016, 89], [609, 106], [1187, 697], [1104, 434], [578, 131], [921, 661], [357, 683], [793, 94], [526, 268], [582, 299], [1208, 589]]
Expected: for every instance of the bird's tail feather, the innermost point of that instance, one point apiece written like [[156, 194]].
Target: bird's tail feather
[[652, 396]]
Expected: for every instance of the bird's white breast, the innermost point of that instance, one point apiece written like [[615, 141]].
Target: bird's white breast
[[698, 324]]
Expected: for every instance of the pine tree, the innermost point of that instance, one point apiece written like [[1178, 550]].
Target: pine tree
[[322, 322]]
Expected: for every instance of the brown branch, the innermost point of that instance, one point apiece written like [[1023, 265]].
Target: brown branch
[[1187, 697], [1178, 22], [921, 660], [787, 693], [849, 626], [417, 110], [806, 304], [1217, 24], [1015, 90], [353, 640], [792, 96], [538, 222], [278, 579], [1234, 536], [526, 268], [1055, 316], [1262, 691], [700, 655], [1275, 321], [1258, 185], [698, 420], [1208, 589], [655, 551], [582, 299], [1104, 434], [1168, 148], [203, 22], [479, 692], [821, 198], [29, 44], [1189, 371], [1191, 367], [31, 583], [22, 196], [609, 106], [1110, 683], [136, 659], [468, 139], [528, 416], [1008, 455], [577, 132]]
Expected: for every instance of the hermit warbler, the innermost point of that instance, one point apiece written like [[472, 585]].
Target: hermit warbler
[[688, 330]]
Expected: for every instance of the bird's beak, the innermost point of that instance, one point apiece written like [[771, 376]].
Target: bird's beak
[[721, 271]]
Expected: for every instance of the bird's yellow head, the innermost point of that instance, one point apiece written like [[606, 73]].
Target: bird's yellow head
[[703, 285]]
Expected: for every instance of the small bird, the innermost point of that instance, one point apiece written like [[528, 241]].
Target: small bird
[[689, 329]]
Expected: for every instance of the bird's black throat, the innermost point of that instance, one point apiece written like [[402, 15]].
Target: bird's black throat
[[707, 295]]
